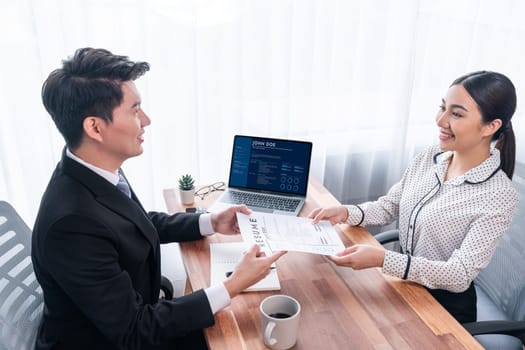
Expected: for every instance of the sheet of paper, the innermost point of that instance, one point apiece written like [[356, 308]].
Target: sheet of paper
[[282, 232], [224, 257]]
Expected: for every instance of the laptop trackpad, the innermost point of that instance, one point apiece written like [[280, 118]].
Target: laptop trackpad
[[261, 210]]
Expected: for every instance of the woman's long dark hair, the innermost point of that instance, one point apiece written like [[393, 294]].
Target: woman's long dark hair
[[495, 96]]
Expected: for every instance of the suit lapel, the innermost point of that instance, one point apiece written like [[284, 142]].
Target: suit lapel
[[111, 197]]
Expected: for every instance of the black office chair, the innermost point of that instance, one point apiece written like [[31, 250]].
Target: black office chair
[[500, 287], [21, 300], [166, 288]]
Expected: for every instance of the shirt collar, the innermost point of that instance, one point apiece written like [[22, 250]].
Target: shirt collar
[[478, 174], [108, 175]]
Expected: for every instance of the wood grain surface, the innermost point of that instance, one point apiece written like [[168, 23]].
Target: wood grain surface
[[341, 308]]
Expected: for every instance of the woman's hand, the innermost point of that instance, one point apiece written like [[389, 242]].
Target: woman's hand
[[253, 267], [334, 214], [360, 256]]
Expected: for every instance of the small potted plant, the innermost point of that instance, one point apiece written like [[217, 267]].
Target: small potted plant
[[186, 189]]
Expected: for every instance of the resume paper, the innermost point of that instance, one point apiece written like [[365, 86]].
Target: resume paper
[[291, 233]]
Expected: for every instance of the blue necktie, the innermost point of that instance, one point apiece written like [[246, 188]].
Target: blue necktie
[[123, 185]]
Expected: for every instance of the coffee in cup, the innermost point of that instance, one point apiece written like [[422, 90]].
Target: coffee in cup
[[280, 321]]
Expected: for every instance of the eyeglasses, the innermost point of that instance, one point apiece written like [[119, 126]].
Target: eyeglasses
[[203, 191]]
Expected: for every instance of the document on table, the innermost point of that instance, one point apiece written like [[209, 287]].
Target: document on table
[[291, 233], [225, 256]]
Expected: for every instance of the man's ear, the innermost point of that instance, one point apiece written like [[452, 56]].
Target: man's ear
[[93, 127], [492, 127]]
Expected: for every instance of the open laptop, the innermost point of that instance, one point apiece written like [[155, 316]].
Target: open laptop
[[268, 175]]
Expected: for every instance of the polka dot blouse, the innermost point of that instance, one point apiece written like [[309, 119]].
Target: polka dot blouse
[[448, 230]]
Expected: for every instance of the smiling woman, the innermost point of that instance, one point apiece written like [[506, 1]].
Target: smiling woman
[[477, 111], [337, 73], [453, 203]]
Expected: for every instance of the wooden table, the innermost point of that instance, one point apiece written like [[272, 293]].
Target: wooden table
[[341, 308]]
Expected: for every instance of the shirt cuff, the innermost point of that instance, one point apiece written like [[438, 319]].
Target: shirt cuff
[[395, 264], [218, 297], [205, 225], [355, 215]]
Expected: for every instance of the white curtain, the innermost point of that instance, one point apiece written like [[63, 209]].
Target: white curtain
[[361, 79]]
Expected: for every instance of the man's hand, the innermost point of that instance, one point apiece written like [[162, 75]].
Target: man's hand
[[253, 267], [226, 221]]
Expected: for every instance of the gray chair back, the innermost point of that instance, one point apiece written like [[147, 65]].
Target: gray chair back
[[503, 280], [21, 299]]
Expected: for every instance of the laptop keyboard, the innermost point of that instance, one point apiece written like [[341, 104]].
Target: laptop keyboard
[[264, 201]]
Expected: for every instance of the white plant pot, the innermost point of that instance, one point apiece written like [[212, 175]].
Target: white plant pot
[[187, 196]]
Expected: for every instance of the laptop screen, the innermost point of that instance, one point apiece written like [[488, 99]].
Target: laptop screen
[[270, 165]]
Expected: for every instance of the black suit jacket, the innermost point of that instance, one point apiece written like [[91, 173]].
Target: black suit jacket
[[96, 254]]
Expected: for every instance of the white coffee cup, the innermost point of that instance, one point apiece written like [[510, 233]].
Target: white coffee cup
[[280, 321]]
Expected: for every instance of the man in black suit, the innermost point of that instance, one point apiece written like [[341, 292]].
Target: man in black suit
[[95, 250]]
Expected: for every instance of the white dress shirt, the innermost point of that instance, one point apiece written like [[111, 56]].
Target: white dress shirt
[[448, 230], [218, 295]]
